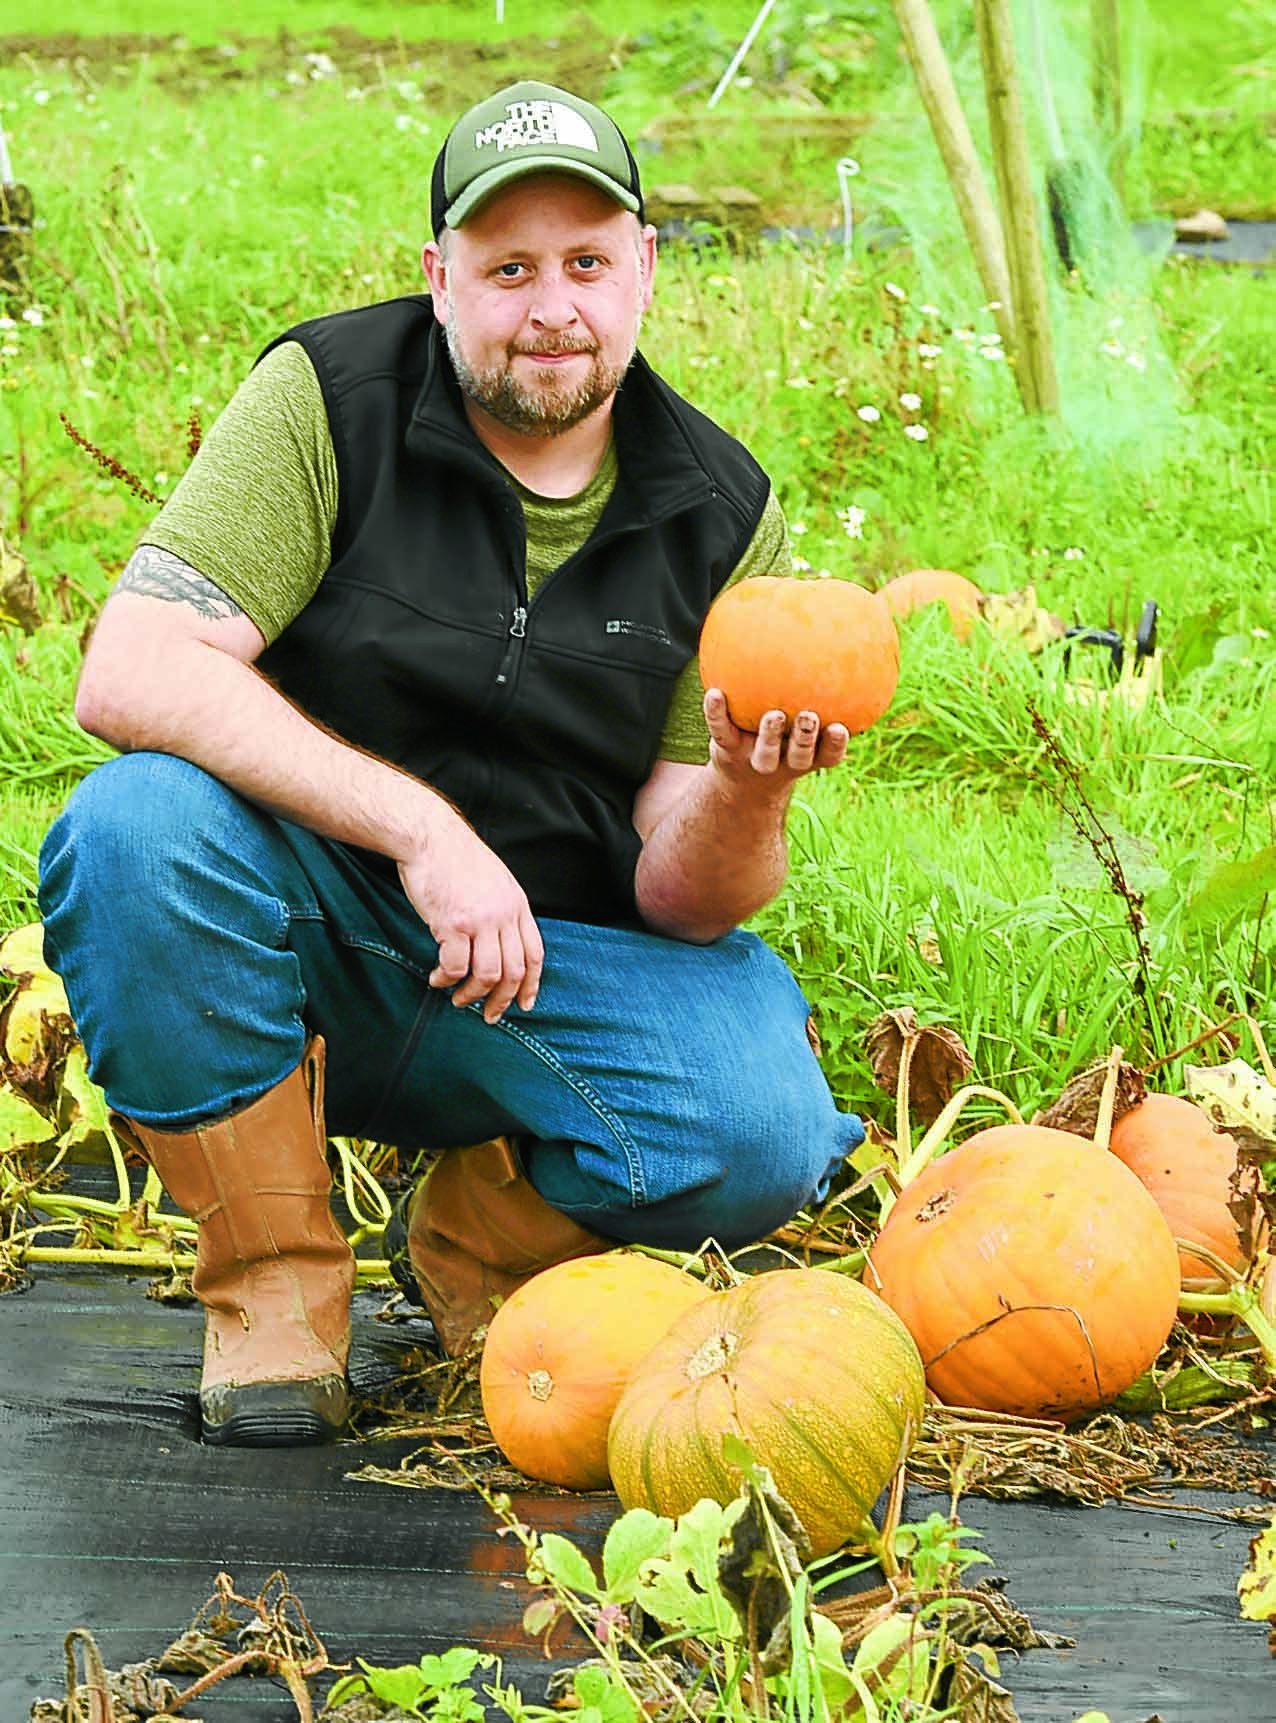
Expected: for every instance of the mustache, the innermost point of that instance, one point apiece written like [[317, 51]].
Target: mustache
[[559, 344]]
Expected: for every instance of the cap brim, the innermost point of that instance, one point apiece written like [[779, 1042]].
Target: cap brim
[[479, 190]]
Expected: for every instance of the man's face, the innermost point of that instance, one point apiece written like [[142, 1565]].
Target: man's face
[[541, 294]]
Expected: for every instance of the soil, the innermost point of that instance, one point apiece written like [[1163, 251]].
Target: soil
[[464, 70]]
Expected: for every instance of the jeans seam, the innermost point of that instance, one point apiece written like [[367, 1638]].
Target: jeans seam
[[591, 1098]]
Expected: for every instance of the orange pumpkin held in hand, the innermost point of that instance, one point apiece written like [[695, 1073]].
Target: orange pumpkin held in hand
[[789, 645], [909, 592], [1172, 1147], [1034, 1271], [559, 1352]]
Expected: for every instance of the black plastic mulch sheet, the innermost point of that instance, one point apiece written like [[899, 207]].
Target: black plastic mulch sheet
[[114, 1517]]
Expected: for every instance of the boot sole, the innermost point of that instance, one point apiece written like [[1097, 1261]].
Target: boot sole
[[275, 1414]]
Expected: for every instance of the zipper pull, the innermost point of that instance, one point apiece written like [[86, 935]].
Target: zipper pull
[[518, 631]]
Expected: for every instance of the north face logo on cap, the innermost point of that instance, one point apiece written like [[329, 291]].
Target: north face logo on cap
[[538, 123]]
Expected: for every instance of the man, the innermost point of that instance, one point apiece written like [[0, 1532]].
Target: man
[[416, 778]]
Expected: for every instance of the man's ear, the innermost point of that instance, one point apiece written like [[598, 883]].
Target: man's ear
[[647, 262], [432, 262]]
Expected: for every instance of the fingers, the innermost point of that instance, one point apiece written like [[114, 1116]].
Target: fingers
[[496, 965]]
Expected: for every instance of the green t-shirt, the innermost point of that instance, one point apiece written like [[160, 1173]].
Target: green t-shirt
[[255, 511]]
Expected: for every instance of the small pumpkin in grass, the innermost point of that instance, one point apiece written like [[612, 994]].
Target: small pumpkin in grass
[[921, 586], [812, 1370], [559, 1351], [1172, 1147], [789, 645], [1035, 1273]]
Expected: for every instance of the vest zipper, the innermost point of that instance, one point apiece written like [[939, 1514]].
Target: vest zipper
[[518, 631]]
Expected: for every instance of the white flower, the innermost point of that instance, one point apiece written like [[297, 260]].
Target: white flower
[[965, 334], [33, 314], [39, 97], [852, 518], [801, 565], [798, 528], [1073, 554], [911, 402], [991, 338], [928, 350], [1260, 633], [798, 383], [991, 353], [895, 292], [8, 351], [918, 433], [930, 310], [1137, 360], [870, 415], [8, 323]]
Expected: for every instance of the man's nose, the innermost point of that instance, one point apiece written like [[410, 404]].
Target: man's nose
[[553, 306]]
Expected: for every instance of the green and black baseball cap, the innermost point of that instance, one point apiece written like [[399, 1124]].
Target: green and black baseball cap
[[529, 128]]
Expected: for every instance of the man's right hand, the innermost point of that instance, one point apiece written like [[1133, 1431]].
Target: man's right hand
[[490, 947]]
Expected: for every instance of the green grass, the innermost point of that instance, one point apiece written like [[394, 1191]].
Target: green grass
[[188, 214]]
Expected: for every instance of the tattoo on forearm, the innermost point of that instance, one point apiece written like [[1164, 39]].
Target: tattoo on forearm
[[159, 574]]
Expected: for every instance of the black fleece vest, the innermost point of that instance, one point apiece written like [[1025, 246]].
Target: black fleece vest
[[539, 721]]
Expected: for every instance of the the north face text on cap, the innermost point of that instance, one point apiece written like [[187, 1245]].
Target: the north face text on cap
[[538, 122]]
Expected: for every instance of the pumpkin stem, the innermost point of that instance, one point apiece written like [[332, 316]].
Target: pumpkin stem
[[937, 1135], [1107, 1100], [903, 1130], [1243, 1299]]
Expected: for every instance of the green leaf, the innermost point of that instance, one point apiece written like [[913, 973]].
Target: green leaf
[[636, 1537], [1233, 890], [602, 1698], [402, 1686], [452, 1667], [558, 1561], [20, 1124]]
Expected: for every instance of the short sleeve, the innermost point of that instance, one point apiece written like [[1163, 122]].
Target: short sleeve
[[254, 511]]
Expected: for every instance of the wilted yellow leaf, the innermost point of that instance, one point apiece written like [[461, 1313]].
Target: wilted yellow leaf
[[21, 1127], [1235, 1096], [1256, 1588], [22, 951]]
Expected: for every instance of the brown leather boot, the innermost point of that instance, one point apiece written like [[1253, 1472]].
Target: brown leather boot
[[273, 1269], [472, 1231]]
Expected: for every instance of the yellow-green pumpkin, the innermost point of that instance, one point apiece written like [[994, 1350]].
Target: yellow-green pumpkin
[[816, 1374]]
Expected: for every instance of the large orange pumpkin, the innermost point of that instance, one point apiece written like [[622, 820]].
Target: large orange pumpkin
[[810, 1369], [1035, 1273], [559, 1351], [909, 592], [1172, 1147], [789, 645]]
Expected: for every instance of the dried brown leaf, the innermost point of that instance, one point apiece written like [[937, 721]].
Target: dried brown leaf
[[938, 1059], [976, 1698], [1077, 1109]]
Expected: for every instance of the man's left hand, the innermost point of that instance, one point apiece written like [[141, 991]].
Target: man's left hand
[[776, 751]]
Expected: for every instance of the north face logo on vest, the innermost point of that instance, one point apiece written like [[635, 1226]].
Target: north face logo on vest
[[538, 123]]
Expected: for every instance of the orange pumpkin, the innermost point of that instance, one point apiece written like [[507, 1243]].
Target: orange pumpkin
[[810, 1369], [1035, 1273], [909, 592], [559, 1351], [1172, 1147], [789, 645]]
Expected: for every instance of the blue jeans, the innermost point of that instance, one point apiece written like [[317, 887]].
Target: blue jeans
[[661, 1092]]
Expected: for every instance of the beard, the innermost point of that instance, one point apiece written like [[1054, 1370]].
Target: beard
[[553, 405]]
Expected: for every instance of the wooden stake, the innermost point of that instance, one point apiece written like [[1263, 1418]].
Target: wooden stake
[[965, 173], [994, 26], [1105, 86]]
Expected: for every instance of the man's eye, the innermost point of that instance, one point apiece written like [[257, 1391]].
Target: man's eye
[[588, 261], [509, 271]]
